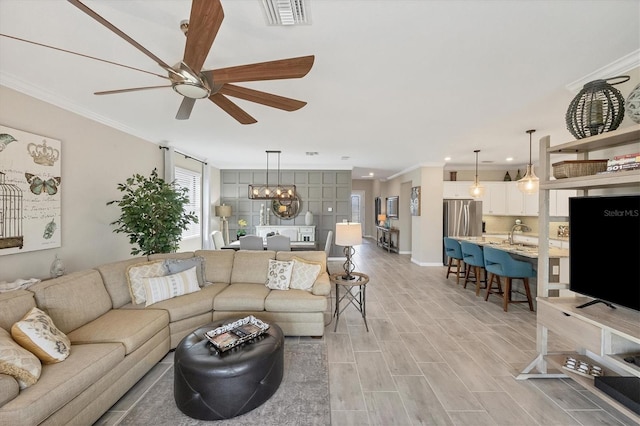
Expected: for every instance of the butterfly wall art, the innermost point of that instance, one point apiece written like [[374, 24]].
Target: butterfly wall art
[[30, 192], [38, 185]]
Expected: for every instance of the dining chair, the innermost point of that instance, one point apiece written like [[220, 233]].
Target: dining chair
[[279, 243], [473, 258], [251, 242], [454, 252], [499, 263], [218, 240]]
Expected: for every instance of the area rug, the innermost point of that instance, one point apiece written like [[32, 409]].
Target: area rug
[[301, 399]]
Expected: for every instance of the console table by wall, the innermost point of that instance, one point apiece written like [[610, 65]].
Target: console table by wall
[[388, 238]]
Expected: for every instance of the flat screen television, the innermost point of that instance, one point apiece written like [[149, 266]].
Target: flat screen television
[[604, 248]]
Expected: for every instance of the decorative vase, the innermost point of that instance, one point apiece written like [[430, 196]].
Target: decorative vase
[[57, 268], [308, 218], [507, 177], [596, 109], [518, 175], [453, 176], [632, 105]]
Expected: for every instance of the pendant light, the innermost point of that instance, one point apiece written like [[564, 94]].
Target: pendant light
[[529, 183], [281, 192], [476, 190]]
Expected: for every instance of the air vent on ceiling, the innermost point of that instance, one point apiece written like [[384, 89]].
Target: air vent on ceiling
[[286, 12]]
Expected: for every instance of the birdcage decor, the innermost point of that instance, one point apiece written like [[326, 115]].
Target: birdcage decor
[[597, 108], [10, 215]]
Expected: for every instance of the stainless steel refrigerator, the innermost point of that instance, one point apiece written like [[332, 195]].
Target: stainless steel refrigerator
[[462, 218]]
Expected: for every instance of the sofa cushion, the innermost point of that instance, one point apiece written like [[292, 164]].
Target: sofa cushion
[[163, 256], [294, 301], [131, 327], [136, 274], [311, 256], [279, 274], [241, 297], [250, 266], [162, 288], [218, 265], [17, 362], [178, 265], [304, 274], [73, 300], [60, 383], [37, 333], [114, 276], [9, 388], [14, 305]]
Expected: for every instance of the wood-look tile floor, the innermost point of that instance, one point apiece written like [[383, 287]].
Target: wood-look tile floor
[[435, 354]]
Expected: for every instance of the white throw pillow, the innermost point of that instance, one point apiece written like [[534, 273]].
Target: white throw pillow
[[304, 274], [279, 274], [136, 273], [162, 288], [18, 362], [37, 333]]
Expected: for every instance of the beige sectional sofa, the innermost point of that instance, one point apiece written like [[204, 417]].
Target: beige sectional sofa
[[114, 342]]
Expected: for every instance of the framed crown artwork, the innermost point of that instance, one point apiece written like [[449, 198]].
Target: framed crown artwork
[[414, 207], [30, 186]]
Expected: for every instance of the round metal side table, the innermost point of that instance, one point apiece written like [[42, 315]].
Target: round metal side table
[[357, 298]]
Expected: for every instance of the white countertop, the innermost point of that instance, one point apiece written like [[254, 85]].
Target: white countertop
[[526, 250]]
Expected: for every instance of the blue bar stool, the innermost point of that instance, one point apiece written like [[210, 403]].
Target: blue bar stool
[[454, 252], [473, 257], [499, 263]]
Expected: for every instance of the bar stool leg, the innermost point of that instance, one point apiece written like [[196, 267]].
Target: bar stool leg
[[528, 290], [507, 294]]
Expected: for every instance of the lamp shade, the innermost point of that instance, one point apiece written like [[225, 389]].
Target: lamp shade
[[348, 234], [382, 217], [223, 211]]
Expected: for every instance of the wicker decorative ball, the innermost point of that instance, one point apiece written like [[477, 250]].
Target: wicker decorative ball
[[632, 105], [597, 108]]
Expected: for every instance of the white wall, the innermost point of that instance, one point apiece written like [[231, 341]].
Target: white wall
[[95, 158]]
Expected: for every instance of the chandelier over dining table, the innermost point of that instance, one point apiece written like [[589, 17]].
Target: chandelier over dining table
[[269, 191]]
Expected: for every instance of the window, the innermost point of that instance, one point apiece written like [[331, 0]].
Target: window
[[191, 180]]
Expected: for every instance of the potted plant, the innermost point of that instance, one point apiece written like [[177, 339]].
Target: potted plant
[[153, 215], [241, 230]]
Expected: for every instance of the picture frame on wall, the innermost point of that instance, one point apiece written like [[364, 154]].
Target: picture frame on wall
[[392, 207], [414, 203]]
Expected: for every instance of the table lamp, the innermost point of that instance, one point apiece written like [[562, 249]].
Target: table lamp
[[382, 219], [348, 235], [224, 212]]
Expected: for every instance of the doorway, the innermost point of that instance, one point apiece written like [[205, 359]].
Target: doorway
[[358, 210]]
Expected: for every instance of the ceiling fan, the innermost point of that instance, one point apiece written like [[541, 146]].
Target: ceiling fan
[[191, 81]]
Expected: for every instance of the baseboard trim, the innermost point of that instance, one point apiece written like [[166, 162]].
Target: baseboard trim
[[425, 263]]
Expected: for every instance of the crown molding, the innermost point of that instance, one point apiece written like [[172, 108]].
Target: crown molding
[[615, 68]]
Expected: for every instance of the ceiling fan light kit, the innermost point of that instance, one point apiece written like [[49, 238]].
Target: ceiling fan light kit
[[191, 81]]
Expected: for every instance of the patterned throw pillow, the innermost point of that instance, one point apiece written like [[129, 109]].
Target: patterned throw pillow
[[279, 274], [178, 265], [304, 274], [136, 273], [37, 333], [18, 362], [162, 288]]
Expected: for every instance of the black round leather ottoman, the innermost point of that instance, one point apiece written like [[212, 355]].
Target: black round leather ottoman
[[211, 386]]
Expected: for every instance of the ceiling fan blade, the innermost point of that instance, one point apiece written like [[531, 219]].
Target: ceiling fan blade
[[232, 109], [118, 32], [133, 89], [263, 98], [184, 112], [83, 55], [204, 23], [271, 70]]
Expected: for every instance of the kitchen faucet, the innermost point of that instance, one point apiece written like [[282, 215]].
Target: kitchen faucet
[[522, 227]]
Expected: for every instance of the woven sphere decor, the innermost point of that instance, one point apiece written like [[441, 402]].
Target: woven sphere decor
[[597, 108]]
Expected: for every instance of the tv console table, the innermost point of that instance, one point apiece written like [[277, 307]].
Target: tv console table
[[388, 238]]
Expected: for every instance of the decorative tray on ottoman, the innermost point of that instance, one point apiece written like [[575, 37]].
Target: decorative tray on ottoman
[[233, 334]]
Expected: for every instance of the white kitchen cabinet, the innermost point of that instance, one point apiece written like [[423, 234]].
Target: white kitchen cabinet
[[520, 204], [601, 336], [456, 189], [495, 198]]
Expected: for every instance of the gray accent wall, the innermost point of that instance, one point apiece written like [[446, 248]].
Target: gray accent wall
[[326, 193]]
